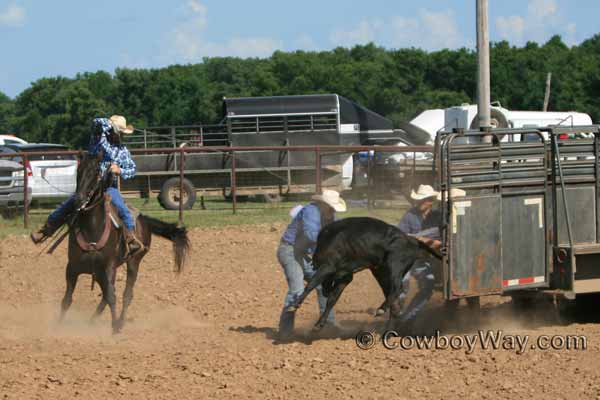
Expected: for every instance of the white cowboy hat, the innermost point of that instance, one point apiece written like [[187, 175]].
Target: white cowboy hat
[[453, 193], [423, 192], [120, 124], [332, 198]]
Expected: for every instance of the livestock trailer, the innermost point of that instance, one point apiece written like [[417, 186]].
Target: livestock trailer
[[308, 120], [530, 220]]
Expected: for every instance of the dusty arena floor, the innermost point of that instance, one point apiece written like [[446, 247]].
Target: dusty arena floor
[[210, 334]]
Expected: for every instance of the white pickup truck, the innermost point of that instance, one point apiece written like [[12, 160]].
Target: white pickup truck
[[10, 139], [50, 177], [11, 185]]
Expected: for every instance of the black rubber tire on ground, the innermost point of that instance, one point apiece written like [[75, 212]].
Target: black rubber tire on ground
[[473, 303], [169, 194], [524, 301], [530, 299]]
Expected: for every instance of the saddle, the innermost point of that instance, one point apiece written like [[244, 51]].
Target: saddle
[[111, 217]]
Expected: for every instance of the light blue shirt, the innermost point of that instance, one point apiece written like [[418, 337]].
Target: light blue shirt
[[307, 223]]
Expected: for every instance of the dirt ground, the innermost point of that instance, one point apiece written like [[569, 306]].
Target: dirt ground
[[210, 334]]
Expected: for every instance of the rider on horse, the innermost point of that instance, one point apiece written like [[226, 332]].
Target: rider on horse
[[106, 138]]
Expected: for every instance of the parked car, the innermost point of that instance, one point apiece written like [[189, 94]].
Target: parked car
[[10, 139], [11, 185], [51, 177]]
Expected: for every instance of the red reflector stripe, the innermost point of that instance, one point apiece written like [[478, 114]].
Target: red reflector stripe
[[523, 281]]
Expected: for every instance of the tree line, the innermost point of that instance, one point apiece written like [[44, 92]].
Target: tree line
[[397, 83]]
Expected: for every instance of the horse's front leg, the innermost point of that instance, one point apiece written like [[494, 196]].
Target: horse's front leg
[[105, 280], [102, 305], [133, 267], [71, 278]]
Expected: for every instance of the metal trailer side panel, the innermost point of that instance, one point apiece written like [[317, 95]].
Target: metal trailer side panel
[[582, 212]]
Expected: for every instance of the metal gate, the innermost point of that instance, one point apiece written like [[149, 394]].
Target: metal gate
[[495, 237]]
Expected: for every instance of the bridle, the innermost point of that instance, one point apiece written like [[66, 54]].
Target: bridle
[[100, 180]]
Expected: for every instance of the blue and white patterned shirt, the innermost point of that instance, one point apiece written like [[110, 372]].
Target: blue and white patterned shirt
[[117, 154]]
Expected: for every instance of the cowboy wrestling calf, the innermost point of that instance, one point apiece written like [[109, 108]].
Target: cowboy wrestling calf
[[350, 245]]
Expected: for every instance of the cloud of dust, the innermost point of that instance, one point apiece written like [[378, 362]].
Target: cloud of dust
[[41, 321]]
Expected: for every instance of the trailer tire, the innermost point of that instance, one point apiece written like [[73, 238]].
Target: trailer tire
[[169, 194]]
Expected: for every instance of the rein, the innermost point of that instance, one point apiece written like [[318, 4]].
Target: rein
[[81, 241]]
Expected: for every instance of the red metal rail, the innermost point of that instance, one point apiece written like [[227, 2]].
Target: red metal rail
[[318, 150]]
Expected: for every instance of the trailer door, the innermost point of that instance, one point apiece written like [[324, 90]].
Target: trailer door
[[475, 264], [523, 242]]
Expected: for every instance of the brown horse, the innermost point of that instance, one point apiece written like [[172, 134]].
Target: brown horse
[[97, 246]]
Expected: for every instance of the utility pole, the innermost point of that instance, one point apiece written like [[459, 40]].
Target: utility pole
[[483, 53], [547, 94]]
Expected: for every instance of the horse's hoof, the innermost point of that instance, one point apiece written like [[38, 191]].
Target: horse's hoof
[[117, 328]]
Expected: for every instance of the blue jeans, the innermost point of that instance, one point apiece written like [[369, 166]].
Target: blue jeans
[[296, 272], [117, 200], [423, 273], [57, 216]]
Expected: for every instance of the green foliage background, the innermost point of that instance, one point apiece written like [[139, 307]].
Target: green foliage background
[[395, 83]]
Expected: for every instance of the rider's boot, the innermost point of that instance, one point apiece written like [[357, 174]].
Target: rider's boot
[[133, 243], [44, 233]]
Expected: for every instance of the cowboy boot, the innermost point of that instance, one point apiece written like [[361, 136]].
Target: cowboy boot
[[286, 325], [133, 243], [44, 233]]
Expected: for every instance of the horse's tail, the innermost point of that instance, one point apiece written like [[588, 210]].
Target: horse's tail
[[177, 235]]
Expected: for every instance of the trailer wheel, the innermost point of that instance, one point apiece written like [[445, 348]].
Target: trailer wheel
[[581, 309], [473, 303], [169, 196], [527, 300]]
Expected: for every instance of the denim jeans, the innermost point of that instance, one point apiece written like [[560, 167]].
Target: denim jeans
[[296, 272], [57, 216], [117, 200], [423, 273]]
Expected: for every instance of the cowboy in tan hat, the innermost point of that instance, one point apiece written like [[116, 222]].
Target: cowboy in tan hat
[[105, 139], [421, 216], [422, 222], [296, 248]]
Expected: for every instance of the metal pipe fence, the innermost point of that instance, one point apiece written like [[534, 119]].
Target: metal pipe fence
[[369, 172]]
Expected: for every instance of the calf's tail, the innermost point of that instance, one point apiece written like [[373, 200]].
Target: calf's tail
[[431, 250]]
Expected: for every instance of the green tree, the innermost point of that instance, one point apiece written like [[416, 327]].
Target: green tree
[[7, 111], [397, 83]]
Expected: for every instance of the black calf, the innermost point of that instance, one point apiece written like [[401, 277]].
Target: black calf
[[350, 245]]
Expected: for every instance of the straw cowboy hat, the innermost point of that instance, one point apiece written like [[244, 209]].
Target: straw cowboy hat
[[120, 124], [332, 198], [453, 193], [423, 192]]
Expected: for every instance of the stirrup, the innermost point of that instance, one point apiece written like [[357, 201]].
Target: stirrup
[[43, 233], [130, 253]]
